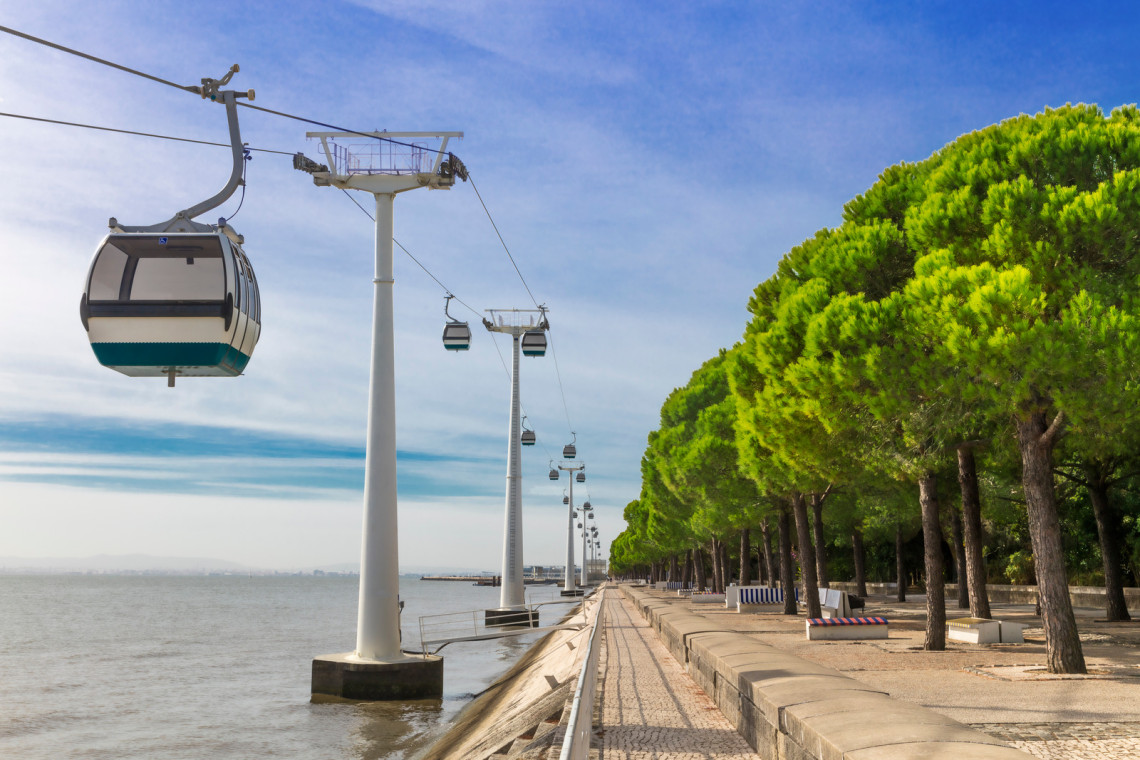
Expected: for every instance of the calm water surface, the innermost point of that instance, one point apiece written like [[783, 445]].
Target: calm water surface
[[216, 667]]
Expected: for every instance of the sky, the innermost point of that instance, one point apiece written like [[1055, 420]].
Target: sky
[[646, 163]]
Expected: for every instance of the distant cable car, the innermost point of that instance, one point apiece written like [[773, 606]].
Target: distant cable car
[[553, 474], [581, 477], [575, 513], [587, 505], [569, 451], [456, 334], [579, 525], [178, 297], [527, 437], [565, 499]]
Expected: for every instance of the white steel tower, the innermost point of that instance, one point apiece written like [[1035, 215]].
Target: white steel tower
[[384, 164]]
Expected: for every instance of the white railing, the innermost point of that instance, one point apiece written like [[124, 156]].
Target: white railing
[[436, 631], [576, 744]]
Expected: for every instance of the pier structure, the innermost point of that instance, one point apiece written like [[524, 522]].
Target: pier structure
[[383, 164], [512, 609]]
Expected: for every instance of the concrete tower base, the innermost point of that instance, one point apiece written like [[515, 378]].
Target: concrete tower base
[[347, 677], [512, 618]]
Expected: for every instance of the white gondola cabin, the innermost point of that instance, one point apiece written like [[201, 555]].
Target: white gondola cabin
[[456, 334], [172, 303], [533, 343], [178, 297]]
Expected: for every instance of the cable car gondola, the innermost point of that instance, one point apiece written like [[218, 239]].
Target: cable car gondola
[[581, 477], [569, 451], [565, 499], [553, 474], [587, 505], [456, 334], [527, 438], [179, 297]]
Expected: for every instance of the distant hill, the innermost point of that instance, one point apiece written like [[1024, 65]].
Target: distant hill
[[110, 563]]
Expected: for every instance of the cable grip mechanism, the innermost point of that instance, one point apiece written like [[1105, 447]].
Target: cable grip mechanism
[[209, 88]]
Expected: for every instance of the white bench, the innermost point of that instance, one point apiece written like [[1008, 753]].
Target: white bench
[[849, 628], [972, 630], [706, 597]]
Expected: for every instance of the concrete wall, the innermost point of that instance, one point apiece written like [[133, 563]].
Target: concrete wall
[[789, 708], [1082, 596]]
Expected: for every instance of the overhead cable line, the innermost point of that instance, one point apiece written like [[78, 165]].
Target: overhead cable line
[[132, 132], [504, 242], [198, 91], [447, 290], [191, 88], [557, 370]]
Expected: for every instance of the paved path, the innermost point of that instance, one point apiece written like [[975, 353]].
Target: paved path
[[651, 709]]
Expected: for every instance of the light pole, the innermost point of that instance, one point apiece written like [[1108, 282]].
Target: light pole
[[530, 339], [568, 588], [387, 164]]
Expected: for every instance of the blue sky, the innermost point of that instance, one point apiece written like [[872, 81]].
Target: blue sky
[[647, 164]]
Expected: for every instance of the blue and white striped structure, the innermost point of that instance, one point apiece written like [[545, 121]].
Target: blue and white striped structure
[[160, 304], [762, 595], [677, 585]]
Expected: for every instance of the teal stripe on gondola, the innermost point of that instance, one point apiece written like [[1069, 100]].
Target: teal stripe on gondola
[[170, 355]]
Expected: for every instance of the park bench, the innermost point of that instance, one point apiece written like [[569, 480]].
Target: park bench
[[974, 630], [822, 629], [755, 598], [730, 593]]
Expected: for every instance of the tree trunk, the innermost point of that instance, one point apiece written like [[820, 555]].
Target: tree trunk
[[1035, 438], [687, 570], [860, 571], [673, 576], [787, 575], [699, 568], [900, 565], [725, 567], [959, 559], [807, 556], [1110, 527], [972, 534], [820, 544], [932, 553], [745, 557], [769, 566], [716, 570]]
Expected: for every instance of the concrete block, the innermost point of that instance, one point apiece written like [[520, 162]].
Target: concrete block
[[972, 630], [1011, 633], [846, 632], [346, 677]]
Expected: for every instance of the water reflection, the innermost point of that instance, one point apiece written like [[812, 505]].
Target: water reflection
[[394, 730]]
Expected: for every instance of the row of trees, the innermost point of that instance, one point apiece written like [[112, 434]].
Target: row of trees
[[973, 319]]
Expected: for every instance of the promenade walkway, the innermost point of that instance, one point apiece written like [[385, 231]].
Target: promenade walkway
[[1002, 690], [650, 708]]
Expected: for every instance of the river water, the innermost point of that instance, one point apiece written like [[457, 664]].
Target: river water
[[101, 666]]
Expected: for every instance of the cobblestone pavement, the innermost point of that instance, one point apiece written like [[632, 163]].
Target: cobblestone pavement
[[1070, 741], [651, 708]]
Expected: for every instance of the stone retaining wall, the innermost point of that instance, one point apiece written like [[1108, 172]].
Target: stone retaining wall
[[1082, 596], [789, 708]]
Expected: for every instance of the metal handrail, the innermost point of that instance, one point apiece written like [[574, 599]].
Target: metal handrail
[[576, 743]]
